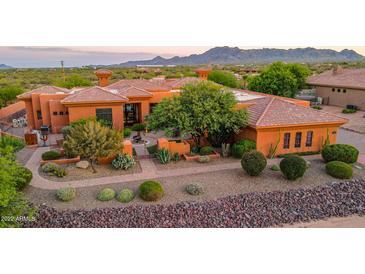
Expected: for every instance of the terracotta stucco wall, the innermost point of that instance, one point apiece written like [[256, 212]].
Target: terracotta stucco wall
[[78, 112], [58, 121], [44, 100], [36, 105], [351, 97], [30, 114], [10, 109], [247, 133], [267, 137]]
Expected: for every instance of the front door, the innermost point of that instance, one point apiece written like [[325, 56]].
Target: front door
[[131, 114]]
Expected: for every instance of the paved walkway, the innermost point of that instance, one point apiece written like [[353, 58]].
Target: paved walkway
[[149, 171]]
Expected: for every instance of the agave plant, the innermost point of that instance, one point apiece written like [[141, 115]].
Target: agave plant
[[163, 156], [123, 161]]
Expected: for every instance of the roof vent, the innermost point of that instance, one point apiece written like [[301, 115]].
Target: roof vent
[[337, 69]]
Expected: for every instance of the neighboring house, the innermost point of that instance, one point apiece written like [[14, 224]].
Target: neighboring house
[[340, 87], [274, 121]]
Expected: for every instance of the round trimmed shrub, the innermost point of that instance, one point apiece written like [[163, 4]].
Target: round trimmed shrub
[[339, 170], [204, 159], [106, 194], [125, 195], [253, 162], [51, 155], [23, 177], [241, 147], [66, 194], [206, 150], [293, 167], [340, 152], [49, 167], [151, 191], [194, 189]]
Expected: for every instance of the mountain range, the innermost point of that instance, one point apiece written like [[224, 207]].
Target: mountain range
[[3, 66], [235, 55]]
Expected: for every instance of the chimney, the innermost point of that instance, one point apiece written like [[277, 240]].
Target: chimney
[[203, 73], [337, 69], [103, 75]]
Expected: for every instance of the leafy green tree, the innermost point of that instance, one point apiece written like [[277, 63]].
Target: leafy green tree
[[203, 107], [280, 79], [9, 93], [225, 78], [91, 141], [74, 80]]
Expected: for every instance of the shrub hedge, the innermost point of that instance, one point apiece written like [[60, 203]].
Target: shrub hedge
[[127, 132], [293, 167], [253, 162], [51, 155], [340, 152], [151, 191], [241, 147], [339, 170], [23, 176]]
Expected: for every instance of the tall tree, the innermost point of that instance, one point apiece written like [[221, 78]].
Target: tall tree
[[91, 141], [280, 79], [203, 107], [225, 78]]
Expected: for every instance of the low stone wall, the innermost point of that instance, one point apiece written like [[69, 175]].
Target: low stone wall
[[174, 147]]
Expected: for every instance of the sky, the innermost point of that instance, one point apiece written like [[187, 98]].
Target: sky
[[23, 57]]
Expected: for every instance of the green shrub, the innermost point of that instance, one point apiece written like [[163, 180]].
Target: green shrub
[[194, 189], [49, 167], [51, 155], [127, 132], [176, 157], [106, 194], [123, 161], [66, 194], [340, 152], [138, 127], [151, 191], [204, 159], [7, 152], [66, 131], [125, 195], [23, 176], [339, 170], [253, 162], [317, 107], [206, 150], [241, 147], [275, 168], [293, 167], [163, 156], [59, 172], [16, 143], [348, 111], [152, 150]]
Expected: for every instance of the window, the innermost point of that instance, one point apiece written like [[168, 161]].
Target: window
[[55, 113], [106, 115], [344, 90], [66, 112], [61, 112], [333, 89], [39, 115], [308, 142], [338, 90], [298, 139], [286, 140], [152, 105]]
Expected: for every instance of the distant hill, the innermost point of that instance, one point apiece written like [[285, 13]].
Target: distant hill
[[229, 55], [3, 66]]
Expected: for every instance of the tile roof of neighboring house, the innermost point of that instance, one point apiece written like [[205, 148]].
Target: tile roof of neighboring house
[[180, 82], [271, 111], [350, 78], [44, 90], [92, 95], [131, 91]]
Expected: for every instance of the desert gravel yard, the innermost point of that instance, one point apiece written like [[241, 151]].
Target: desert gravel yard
[[188, 164], [74, 173], [216, 185]]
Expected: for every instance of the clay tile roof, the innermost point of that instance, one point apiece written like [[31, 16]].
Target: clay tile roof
[[139, 83], [93, 95], [131, 91], [180, 82], [348, 78], [271, 111], [44, 90]]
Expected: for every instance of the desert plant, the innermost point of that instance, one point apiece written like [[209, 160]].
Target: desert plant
[[138, 128], [92, 141], [275, 168], [349, 111], [123, 161], [253, 162], [226, 150], [194, 189], [59, 172], [125, 195], [241, 147], [176, 157], [339, 170], [16, 143], [151, 191], [49, 167], [207, 150], [66, 131], [51, 155], [317, 107], [66, 194], [106, 194], [293, 167], [204, 159], [163, 156], [340, 152], [22, 177], [127, 132], [7, 152]]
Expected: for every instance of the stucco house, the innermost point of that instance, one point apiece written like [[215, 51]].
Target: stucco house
[[340, 86], [288, 124]]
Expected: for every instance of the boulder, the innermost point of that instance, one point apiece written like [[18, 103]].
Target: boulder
[[82, 164]]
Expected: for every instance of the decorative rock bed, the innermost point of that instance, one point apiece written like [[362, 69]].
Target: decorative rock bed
[[247, 210]]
